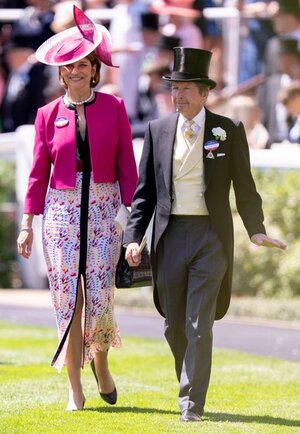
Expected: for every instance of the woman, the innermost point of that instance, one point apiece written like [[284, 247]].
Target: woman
[[84, 138]]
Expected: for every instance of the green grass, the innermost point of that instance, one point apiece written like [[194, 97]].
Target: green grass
[[248, 394]]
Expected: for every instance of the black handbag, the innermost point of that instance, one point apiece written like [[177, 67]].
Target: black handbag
[[133, 277]]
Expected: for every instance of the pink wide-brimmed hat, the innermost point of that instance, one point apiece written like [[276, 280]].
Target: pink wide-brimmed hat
[[76, 43]]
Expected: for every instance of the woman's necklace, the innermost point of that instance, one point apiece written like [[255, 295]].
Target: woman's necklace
[[70, 101]]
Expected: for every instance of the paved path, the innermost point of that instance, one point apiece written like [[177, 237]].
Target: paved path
[[275, 339]]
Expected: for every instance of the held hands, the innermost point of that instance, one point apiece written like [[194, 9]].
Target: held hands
[[264, 240], [24, 242], [132, 255]]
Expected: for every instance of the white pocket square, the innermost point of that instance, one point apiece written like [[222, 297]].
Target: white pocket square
[[221, 155]]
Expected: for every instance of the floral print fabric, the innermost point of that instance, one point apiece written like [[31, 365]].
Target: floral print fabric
[[61, 243]]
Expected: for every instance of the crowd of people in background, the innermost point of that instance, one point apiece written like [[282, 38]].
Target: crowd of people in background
[[266, 95]]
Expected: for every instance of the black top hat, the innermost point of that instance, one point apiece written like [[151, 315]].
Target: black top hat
[[289, 7], [289, 46], [191, 64], [168, 42], [150, 20]]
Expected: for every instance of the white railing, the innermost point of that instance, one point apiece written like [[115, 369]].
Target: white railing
[[281, 155]]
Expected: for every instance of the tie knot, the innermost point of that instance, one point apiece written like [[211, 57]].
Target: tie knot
[[189, 124]]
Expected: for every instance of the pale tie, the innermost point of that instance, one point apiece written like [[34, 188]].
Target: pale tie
[[189, 134]]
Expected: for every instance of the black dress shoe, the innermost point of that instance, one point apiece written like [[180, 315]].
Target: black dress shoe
[[110, 398], [189, 416]]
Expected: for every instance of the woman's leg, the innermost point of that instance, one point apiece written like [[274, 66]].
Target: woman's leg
[[74, 356], [105, 380]]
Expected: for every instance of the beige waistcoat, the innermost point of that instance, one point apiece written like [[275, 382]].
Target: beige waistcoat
[[188, 177]]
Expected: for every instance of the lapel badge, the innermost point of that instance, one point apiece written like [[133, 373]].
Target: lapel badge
[[60, 122], [211, 146]]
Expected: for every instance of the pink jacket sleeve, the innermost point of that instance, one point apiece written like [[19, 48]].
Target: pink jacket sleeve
[[40, 171]]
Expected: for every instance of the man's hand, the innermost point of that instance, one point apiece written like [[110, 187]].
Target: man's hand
[[132, 255], [264, 240]]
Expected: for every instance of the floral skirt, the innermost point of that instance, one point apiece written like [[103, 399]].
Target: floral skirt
[[81, 238]]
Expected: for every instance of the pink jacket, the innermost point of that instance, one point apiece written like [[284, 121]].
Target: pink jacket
[[111, 150]]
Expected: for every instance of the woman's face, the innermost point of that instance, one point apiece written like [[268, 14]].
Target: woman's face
[[77, 76]]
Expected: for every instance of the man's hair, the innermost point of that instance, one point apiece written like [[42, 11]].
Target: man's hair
[[202, 87]]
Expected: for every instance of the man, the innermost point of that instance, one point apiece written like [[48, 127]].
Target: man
[[290, 98], [186, 183], [24, 92], [286, 23], [276, 118]]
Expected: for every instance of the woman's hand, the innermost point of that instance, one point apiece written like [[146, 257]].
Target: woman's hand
[[24, 242], [132, 255], [264, 240]]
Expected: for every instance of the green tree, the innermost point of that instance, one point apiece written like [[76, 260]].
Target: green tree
[[270, 272], [8, 263]]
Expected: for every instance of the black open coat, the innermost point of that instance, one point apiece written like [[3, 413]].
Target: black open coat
[[154, 190]]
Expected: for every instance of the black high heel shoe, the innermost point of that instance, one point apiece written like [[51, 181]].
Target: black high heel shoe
[[110, 398]]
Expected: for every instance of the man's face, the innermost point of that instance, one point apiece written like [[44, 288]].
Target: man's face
[[188, 97]]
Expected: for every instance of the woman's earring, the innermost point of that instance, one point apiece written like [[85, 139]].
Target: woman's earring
[[93, 80]]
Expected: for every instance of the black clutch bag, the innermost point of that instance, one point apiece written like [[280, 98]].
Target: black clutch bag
[[134, 277]]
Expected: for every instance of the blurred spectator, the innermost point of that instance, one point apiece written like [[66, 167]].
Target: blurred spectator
[[180, 19], [24, 89], [211, 29], [150, 36], [26, 79], [256, 30], [125, 30], [290, 98], [35, 24], [154, 97], [165, 48], [212, 38], [286, 23], [275, 116], [245, 109], [63, 15]]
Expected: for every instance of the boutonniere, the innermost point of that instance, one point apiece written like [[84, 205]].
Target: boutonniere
[[219, 133]]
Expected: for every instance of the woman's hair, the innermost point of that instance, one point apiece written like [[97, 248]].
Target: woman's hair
[[92, 57]]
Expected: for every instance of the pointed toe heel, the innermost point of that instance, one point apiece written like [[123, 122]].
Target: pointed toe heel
[[110, 398]]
